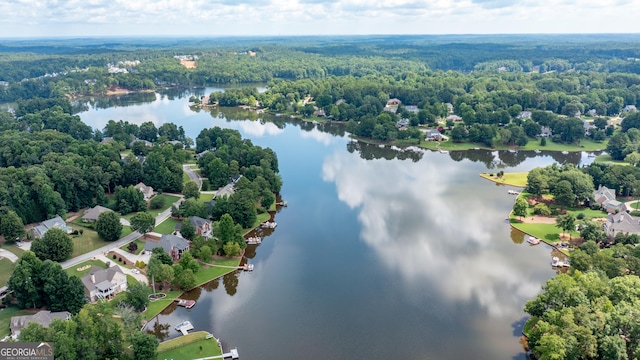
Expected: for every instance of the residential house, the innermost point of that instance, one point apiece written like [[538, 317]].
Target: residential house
[[147, 191], [107, 139], [200, 154], [226, 190], [524, 115], [145, 142], [622, 222], [171, 244], [454, 118], [412, 109], [587, 126], [391, 109], [606, 198], [210, 203], [545, 132], [592, 112], [449, 107], [402, 123], [629, 108], [340, 101], [394, 102], [42, 317], [319, 113], [92, 214], [39, 230], [102, 283], [203, 226], [433, 135]]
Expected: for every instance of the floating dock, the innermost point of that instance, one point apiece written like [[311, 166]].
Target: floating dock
[[254, 240], [246, 267], [184, 327]]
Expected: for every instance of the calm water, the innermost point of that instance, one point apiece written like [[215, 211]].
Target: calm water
[[381, 254]]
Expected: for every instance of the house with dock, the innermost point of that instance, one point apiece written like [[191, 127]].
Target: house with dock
[[622, 222], [171, 244], [104, 283]]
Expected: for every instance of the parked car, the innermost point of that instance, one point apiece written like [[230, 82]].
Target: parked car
[[135, 271]]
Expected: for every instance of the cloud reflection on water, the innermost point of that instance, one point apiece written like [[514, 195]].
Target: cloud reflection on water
[[426, 225]]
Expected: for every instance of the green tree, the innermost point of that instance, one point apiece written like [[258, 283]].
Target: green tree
[[137, 296], [563, 193], [205, 253], [551, 347], [188, 262], [190, 190], [143, 222], [231, 249], [566, 223], [184, 278], [156, 202], [187, 230], [520, 207], [108, 226], [632, 158], [25, 281], [11, 227], [145, 346], [55, 245]]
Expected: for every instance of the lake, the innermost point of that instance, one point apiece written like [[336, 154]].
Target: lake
[[380, 254]]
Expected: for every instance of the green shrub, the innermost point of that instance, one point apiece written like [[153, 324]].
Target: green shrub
[[580, 216], [541, 209], [156, 202]]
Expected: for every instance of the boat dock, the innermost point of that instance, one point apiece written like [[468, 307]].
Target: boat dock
[[254, 240], [269, 224], [246, 267], [184, 327], [232, 354], [185, 303]]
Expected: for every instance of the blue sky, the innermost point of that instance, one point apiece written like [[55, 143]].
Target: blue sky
[[27, 18]]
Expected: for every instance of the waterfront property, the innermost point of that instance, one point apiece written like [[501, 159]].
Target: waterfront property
[[104, 283], [202, 226], [606, 198], [622, 222], [171, 244]]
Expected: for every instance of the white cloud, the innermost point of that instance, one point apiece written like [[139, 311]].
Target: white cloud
[[258, 129], [408, 218], [295, 17]]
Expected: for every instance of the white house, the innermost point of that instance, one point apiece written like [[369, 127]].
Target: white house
[[104, 283], [147, 191]]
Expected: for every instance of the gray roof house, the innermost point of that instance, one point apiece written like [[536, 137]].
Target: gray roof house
[[454, 118], [147, 191], [171, 244], [433, 135], [629, 108], [92, 214], [39, 230], [524, 115], [412, 109], [607, 199], [622, 222], [104, 283], [203, 226], [42, 317]]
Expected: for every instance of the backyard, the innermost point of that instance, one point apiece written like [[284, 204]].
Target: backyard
[[84, 267], [5, 318], [6, 269], [167, 226], [189, 346]]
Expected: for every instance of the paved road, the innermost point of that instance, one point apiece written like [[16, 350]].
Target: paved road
[[101, 251], [192, 175], [167, 213]]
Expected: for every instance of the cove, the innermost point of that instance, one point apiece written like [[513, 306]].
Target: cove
[[381, 253]]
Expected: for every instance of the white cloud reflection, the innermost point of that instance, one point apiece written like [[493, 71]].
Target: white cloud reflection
[[429, 235], [258, 129], [317, 135]]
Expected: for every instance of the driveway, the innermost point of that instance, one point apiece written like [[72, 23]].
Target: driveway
[[192, 175], [140, 277], [103, 250], [8, 255]]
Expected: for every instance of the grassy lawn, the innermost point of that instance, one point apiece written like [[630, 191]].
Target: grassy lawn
[[157, 306], [88, 241], [5, 318], [205, 275], [518, 179], [185, 177], [606, 159], [548, 232], [585, 145], [168, 201], [138, 242], [588, 213], [166, 227], [6, 269], [73, 271], [189, 347], [206, 197]]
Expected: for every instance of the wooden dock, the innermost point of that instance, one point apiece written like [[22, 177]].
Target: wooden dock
[[185, 303], [232, 354]]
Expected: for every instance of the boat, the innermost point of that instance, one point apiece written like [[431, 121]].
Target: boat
[[269, 224], [512, 151], [513, 192], [443, 151], [565, 152], [555, 261], [533, 241], [247, 267], [537, 151], [254, 240], [186, 303]]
